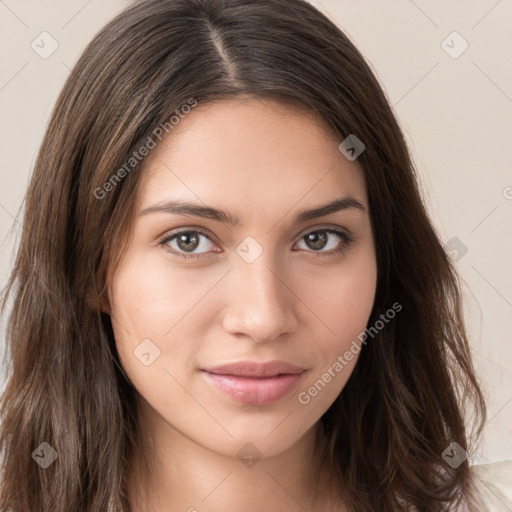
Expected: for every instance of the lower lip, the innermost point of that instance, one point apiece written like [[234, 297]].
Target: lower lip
[[252, 390]]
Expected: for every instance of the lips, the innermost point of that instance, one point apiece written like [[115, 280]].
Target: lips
[[255, 383], [254, 369]]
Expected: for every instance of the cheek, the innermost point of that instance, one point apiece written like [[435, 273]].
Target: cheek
[[153, 297], [155, 306], [344, 300], [344, 304], [147, 295], [142, 308]]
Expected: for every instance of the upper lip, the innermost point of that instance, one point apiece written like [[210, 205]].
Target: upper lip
[[255, 369]]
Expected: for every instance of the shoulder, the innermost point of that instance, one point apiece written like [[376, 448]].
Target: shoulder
[[494, 484]]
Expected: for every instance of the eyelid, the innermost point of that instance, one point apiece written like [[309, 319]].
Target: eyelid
[[324, 227]]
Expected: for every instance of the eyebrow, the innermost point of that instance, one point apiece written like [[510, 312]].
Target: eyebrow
[[194, 209]]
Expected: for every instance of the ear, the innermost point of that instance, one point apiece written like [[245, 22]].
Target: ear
[[104, 304], [99, 302]]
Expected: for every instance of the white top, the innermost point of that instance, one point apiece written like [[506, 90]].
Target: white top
[[494, 485]]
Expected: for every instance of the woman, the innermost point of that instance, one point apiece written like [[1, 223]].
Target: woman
[[228, 294]]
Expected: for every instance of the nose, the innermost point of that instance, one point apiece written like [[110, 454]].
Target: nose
[[260, 302]]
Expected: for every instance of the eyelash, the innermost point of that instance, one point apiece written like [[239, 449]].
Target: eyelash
[[346, 239]]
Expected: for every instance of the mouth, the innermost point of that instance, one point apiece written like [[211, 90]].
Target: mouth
[[255, 383]]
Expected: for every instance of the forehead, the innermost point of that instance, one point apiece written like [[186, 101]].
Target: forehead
[[252, 155]]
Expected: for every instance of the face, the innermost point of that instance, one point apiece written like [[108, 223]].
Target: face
[[268, 279]]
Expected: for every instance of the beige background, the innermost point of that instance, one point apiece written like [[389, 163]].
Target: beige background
[[456, 114]]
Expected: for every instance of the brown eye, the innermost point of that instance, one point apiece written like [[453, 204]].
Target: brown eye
[[316, 240], [326, 241], [188, 241], [186, 244]]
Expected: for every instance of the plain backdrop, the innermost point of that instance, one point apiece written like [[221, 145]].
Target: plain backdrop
[[445, 67]]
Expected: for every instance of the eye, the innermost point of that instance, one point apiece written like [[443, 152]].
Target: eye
[[197, 244], [327, 241], [188, 241]]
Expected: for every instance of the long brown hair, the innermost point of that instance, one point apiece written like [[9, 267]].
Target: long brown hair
[[408, 396]]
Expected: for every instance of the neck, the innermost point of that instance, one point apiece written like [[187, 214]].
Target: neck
[[182, 475]]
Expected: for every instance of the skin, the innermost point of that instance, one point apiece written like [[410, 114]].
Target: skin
[[263, 162]]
